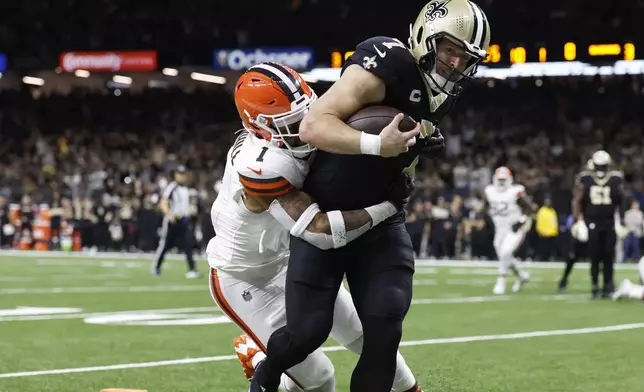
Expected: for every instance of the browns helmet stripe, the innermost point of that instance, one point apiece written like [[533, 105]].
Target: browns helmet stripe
[[287, 82]]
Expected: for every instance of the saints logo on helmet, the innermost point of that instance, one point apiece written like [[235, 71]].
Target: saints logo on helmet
[[464, 24]]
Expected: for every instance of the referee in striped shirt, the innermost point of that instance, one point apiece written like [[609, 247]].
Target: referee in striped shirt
[[175, 231]]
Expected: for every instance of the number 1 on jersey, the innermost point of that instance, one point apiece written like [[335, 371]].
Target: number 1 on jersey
[[260, 158]]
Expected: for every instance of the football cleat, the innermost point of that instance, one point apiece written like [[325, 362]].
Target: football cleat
[[499, 287], [522, 279], [246, 349]]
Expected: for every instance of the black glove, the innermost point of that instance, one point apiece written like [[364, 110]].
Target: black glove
[[434, 144], [400, 191], [518, 224]]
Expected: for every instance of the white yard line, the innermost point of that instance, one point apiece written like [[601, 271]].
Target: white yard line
[[7, 254], [417, 301], [105, 289], [46, 317], [63, 277], [463, 339]]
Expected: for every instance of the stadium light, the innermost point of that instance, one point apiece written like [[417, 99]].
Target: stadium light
[[170, 71], [81, 73], [122, 79], [33, 81], [207, 78], [308, 78]]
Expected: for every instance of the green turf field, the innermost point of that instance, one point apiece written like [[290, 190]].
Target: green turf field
[[83, 324]]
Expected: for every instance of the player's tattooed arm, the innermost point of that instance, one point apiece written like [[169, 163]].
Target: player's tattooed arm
[[296, 202], [299, 213]]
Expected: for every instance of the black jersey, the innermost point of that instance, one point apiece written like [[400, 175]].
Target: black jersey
[[347, 182], [601, 197]]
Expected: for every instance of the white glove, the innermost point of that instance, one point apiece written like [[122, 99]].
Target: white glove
[[580, 231], [620, 230]]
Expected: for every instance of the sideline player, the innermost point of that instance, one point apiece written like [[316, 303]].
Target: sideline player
[[447, 42], [258, 205], [597, 196], [511, 210]]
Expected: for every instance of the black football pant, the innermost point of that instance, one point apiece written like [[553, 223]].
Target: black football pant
[[174, 233], [601, 248], [379, 270], [576, 253]]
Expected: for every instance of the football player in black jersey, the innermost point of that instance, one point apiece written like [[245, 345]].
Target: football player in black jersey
[[598, 195], [578, 241], [447, 42]]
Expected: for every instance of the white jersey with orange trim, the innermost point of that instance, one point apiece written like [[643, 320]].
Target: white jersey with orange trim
[[504, 207], [247, 241]]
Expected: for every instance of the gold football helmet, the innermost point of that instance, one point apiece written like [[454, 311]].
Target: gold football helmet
[[461, 21], [602, 162]]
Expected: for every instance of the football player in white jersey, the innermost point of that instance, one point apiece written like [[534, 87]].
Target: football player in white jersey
[[511, 210], [628, 289], [259, 205]]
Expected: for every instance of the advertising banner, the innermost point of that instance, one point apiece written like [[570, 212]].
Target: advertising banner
[[109, 61], [241, 59]]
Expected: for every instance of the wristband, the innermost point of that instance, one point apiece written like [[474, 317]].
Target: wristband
[[369, 144]]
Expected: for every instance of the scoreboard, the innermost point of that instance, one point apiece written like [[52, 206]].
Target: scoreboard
[[568, 51], [504, 55]]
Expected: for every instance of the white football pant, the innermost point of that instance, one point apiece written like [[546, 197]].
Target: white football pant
[[506, 242], [258, 308]]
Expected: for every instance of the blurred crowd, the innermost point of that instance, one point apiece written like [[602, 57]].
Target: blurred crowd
[[186, 32], [104, 159]]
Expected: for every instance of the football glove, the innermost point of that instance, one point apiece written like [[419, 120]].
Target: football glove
[[400, 191], [620, 230], [520, 223], [434, 144], [579, 231]]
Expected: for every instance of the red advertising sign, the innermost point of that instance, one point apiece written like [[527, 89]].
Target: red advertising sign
[[109, 61]]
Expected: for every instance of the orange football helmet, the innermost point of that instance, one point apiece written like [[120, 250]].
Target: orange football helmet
[[502, 177], [272, 100]]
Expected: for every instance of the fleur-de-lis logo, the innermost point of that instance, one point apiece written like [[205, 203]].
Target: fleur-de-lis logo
[[435, 10]]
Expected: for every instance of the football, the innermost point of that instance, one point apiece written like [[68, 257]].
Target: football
[[373, 119]]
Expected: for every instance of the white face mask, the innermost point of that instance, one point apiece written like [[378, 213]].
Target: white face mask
[[286, 126]]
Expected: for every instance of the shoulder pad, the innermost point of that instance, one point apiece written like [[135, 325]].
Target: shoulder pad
[[617, 173], [380, 56], [265, 164], [519, 189], [582, 176]]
